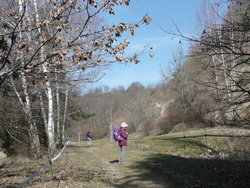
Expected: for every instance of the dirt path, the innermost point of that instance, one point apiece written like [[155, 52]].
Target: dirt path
[[149, 165], [81, 166], [110, 167], [104, 158]]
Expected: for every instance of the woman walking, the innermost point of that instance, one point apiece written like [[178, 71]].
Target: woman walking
[[123, 143], [89, 138]]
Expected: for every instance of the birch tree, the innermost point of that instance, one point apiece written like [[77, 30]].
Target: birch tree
[[224, 41], [24, 97], [65, 34], [178, 79]]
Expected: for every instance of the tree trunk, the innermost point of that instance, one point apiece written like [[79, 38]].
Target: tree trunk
[[26, 105], [50, 122], [51, 126], [58, 111], [65, 111]]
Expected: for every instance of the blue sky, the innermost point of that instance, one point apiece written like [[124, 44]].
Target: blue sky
[[163, 13]]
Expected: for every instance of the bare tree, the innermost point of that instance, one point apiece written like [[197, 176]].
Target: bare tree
[[40, 36], [224, 46]]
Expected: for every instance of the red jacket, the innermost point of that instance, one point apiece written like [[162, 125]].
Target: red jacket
[[124, 134], [89, 135]]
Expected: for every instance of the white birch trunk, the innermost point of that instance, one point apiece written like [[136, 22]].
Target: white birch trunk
[[58, 111], [79, 133], [26, 105], [51, 132], [228, 93], [233, 113], [45, 120], [49, 94], [213, 57], [65, 111], [222, 61]]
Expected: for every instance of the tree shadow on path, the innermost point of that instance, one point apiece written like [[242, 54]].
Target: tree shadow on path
[[160, 170], [114, 161]]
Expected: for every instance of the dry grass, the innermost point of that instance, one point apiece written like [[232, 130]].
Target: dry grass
[[2, 156], [157, 161]]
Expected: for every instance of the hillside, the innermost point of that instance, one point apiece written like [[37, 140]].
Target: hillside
[[157, 161]]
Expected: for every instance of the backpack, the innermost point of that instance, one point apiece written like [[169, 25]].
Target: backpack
[[117, 135]]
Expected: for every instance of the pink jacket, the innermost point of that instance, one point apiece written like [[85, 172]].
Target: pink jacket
[[124, 134]]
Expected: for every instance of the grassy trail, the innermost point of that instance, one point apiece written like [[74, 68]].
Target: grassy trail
[[152, 162], [100, 168], [82, 166]]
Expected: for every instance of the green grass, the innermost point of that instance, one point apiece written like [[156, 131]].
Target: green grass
[[205, 161], [219, 142]]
